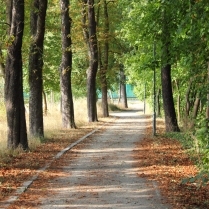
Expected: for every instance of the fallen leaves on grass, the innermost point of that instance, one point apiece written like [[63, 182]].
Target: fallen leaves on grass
[[164, 160], [158, 159], [24, 165]]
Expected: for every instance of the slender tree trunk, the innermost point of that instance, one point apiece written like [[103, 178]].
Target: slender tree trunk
[[168, 102], [2, 65], [188, 103], [103, 58], [158, 109], [207, 108], [178, 101], [67, 108], [123, 89], [38, 15], [45, 103], [196, 105], [91, 40], [105, 69], [17, 133], [105, 110], [9, 5], [104, 89]]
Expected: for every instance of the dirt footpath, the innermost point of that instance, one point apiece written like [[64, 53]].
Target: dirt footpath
[[103, 174]]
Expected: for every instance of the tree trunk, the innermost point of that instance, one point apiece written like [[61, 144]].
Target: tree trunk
[[178, 100], [196, 105], [158, 109], [67, 108], [207, 108], [104, 89], [145, 89], [103, 58], [17, 133], [9, 5], [106, 57], [188, 103], [38, 15], [123, 89], [45, 103], [91, 40], [2, 65], [168, 102]]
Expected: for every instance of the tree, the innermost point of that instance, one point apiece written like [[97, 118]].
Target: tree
[[149, 22], [67, 109], [168, 102], [104, 59], [17, 133], [123, 95], [90, 36], [38, 15], [2, 65]]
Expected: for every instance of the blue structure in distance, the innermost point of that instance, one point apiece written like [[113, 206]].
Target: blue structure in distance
[[115, 94]]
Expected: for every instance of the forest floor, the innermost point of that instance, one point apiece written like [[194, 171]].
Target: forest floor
[[158, 159]]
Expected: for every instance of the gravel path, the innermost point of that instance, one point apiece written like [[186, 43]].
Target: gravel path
[[103, 174]]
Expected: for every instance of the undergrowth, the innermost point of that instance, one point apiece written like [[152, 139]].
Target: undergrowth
[[198, 152]]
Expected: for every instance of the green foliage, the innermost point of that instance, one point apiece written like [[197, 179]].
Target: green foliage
[[201, 179], [184, 138], [134, 27], [201, 158], [202, 136]]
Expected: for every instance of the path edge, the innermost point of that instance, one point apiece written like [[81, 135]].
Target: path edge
[[25, 185]]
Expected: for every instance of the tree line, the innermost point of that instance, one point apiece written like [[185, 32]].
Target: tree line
[[27, 32], [171, 37], [81, 46]]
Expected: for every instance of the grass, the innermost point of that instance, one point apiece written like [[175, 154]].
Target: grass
[[16, 166], [52, 123], [3, 130], [163, 159]]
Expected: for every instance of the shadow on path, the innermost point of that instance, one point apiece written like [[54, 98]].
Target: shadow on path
[[103, 174]]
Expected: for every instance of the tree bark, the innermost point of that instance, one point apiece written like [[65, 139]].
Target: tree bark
[[91, 40], [104, 89], [103, 59], [2, 65], [45, 103], [123, 89], [158, 109], [168, 102], [188, 103], [67, 107], [196, 105], [9, 5], [17, 133], [38, 15], [207, 108], [105, 68], [178, 101]]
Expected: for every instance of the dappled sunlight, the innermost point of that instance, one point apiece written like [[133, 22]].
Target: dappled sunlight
[[100, 172], [164, 160]]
